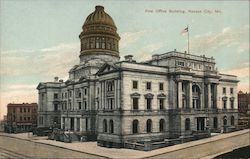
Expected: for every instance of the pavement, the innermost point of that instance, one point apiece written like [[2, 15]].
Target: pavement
[[92, 148]]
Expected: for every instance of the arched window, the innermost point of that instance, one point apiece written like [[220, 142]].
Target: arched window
[[215, 122], [196, 96], [187, 124], [111, 126], [161, 125], [149, 125], [135, 126], [225, 120], [105, 127], [103, 43], [97, 43], [232, 120]]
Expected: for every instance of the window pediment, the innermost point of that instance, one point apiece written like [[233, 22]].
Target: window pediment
[[135, 95], [224, 98], [161, 95], [149, 95]]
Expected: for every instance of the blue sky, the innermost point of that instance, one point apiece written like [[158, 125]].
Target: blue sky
[[39, 39]]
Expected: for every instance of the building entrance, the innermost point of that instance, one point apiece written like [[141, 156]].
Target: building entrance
[[200, 123], [72, 123]]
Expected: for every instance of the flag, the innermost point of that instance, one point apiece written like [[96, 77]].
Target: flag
[[184, 31]]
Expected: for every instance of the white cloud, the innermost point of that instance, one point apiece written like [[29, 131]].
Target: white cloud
[[130, 37], [241, 72], [5, 52], [145, 53], [53, 61], [22, 87], [228, 37]]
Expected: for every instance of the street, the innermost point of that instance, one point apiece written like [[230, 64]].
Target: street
[[11, 147]]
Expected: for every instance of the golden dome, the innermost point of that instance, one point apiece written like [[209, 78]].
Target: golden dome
[[99, 34], [99, 16]]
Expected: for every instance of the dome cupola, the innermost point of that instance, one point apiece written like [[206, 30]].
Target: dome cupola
[[99, 36]]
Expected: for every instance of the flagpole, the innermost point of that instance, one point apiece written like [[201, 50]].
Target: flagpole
[[188, 40]]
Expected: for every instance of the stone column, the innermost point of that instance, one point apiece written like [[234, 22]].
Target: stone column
[[115, 95], [180, 94], [190, 94], [75, 124], [208, 95], [68, 123], [62, 122], [105, 96], [83, 124], [118, 93], [217, 97]]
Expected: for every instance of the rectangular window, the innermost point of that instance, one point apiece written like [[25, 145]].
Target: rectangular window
[[85, 91], [24, 109], [224, 90], [135, 103], [161, 86], [55, 96], [180, 63], [85, 105], [135, 84], [232, 104], [148, 103], [70, 93], [55, 107], [28, 118], [21, 110], [148, 86], [79, 105], [28, 109], [224, 104], [161, 103], [231, 90], [24, 118]]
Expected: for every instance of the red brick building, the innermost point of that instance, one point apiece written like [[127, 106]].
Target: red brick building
[[243, 102], [21, 117]]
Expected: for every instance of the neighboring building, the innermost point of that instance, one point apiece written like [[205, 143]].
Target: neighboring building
[[243, 102], [21, 117], [121, 103], [3, 123]]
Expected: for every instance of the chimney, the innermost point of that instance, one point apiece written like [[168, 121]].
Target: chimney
[[129, 58], [61, 81], [56, 79]]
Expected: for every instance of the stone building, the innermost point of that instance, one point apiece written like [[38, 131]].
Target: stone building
[[174, 95], [244, 102], [21, 117]]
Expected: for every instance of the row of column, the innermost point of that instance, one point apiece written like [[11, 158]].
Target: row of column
[[84, 123], [103, 95], [190, 95]]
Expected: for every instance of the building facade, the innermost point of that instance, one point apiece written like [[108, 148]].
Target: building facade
[[21, 117], [244, 102], [173, 95]]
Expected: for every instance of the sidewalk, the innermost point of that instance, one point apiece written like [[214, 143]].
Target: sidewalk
[[92, 148]]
